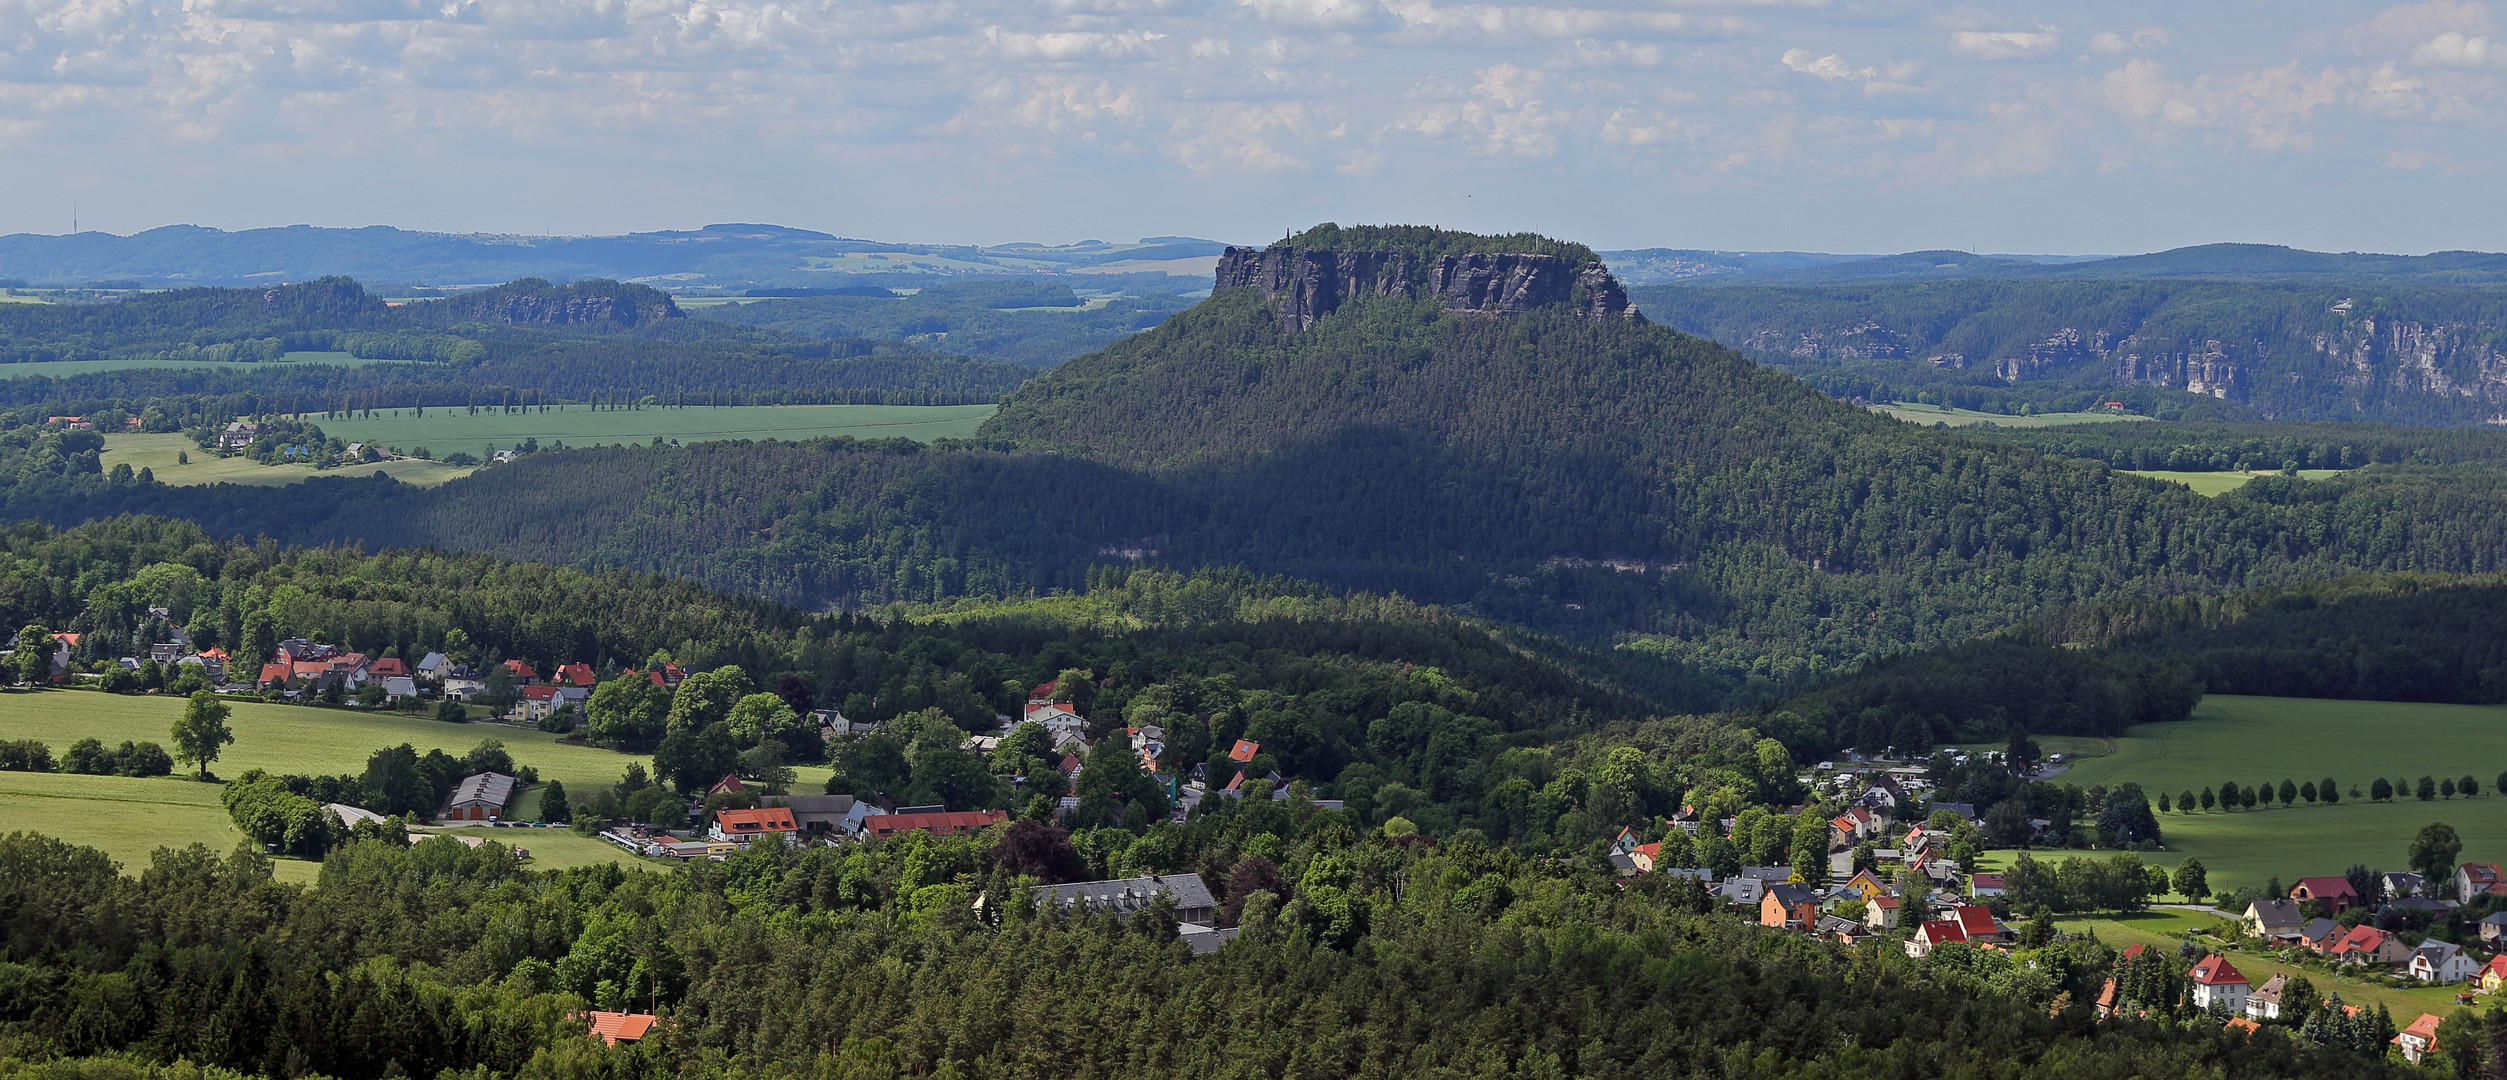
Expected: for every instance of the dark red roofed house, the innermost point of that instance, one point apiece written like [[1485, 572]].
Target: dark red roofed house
[[614, 1028], [2217, 980], [1933, 935], [388, 667], [2335, 892], [577, 675], [1979, 926], [730, 782], [882, 826]]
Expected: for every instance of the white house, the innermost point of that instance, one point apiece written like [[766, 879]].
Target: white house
[[2441, 962], [2265, 1002], [2215, 980]]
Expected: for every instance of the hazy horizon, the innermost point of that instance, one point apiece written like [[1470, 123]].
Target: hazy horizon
[[1866, 126]]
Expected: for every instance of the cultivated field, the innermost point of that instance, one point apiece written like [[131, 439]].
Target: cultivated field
[[160, 454], [61, 369], [128, 817], [2252, 740], [1938, 414], [2221, 483], [443, 431]]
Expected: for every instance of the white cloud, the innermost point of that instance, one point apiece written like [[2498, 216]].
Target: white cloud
[[1829, 67], [2110, 43], [2003, 44], [2455, 49]]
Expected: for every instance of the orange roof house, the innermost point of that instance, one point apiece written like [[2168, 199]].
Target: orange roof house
[[614, 1028], [577, 675], [745, 826], [521, 670], [2420, 1037], [1244, 751]]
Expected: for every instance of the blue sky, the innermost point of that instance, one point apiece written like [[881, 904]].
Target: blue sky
[[1852, 125]]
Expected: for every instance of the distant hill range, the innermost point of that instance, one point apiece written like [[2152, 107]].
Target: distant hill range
[[1661, 266], [731, 258]]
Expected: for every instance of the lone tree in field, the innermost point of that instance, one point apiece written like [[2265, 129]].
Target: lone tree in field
[[2433, 852], [202, 731], [32, 663], [2192, 881]]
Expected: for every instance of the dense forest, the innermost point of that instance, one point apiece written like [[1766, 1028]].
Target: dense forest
[[1358, 956], [1027, 321], [2257, 447], [526, 341], [2312, 350]]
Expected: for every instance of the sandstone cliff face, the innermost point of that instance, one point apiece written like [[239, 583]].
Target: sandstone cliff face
[[1307, 284], [534, 302]]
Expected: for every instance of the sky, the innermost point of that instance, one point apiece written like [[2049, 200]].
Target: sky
[[1850, 125]]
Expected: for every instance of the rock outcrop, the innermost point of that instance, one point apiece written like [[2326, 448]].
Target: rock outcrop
[[535, 302], [1307, 284]]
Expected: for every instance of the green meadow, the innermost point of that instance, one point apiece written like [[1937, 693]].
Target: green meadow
[[162, 454], [2221, 483], [1940, 414], [2253, 740], [129, 817], [443, 431]]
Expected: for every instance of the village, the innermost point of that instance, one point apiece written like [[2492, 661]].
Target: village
[[1894, 866]]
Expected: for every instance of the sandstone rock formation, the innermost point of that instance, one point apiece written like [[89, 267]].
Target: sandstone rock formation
[[1307, 283]]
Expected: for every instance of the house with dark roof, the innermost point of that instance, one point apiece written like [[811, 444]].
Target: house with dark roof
[[478, 798], [2265, 1002], [2474, 879], [1787, 906], [815, 814], [2279, 919], [2441, 962], [1123, 896]]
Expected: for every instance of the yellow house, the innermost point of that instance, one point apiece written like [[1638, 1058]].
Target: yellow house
[[1870, 886], [2493, 976]]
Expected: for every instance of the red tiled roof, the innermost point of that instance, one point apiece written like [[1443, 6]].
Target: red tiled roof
[[312, 667], [521, 670], [1042, 691], [2324, 887], [2424, 1028], [614, 1028], [1243, 751], [68, 639], [1941, 932], [881, 826], [274, 673], [2496, 966], [2240, 1023], [388, 666], [773, 819], [578, 674], [539, 693], [1987, 881], [1976, 922], [2215, 970]]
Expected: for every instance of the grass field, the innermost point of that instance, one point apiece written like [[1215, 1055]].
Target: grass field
[[64, 368], [128, 817], [446, 430], [1938, 414], [2221, 483], [157, 452], [2252, 740]]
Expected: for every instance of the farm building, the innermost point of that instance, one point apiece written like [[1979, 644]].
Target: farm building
[[478, 798]]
